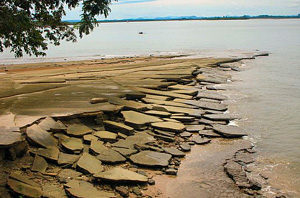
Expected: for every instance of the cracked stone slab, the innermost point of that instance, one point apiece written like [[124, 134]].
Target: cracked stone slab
[[8, 139], [229, 130], [169, 126], [111, 125], [40, 137], [220, 117], [174, 152], [78, 130], [138, 120], [118, 174], [151, 158], [49, 124], [89, 164]]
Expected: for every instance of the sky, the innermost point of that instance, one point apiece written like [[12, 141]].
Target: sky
[[124, 9]]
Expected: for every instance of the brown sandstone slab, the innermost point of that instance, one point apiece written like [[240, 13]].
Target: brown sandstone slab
[[174, 152], [163, 93], [40, 137], [151, 158], [138, 120], [89, 164], [200, 140], [116, 126], [67, 159], [49, 153], [169, 126], [83, 189], [8, 139], [229, 131], [162, 114], [71, 144], [118, 174], [49, 124], [220, 117], [194, 128], [39, 164], [106, 135], [78, 130]]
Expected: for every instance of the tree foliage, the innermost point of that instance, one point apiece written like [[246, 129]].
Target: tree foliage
[[28, 26]]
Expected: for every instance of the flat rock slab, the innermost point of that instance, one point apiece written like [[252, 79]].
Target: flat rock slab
[[98, 100], [89, 164], [183, 118], [138, 138], [156, 97], [83, 189], [191, 112], [49, 124], [24, 185], [200, 140], [166, 138], [208, 95], [185, 146], [209, 134], [106, 135], [185, 134], [88, 138], [211, 122], [204, 105], [71, 144], [49, 153], [106, 154], [220, 117], [151, 158], [8, 139], [163, 93], [138, 120], [182, 87], [39, 164], [134, 96], [78, 130], [194, 128], [168, 103], [174, 152], [229, 131], [111, 125], [67, 159], [169, 126], [129, 104], [40, 137], [124, 151], [66, 175], [186, 91], [118, 174], [162, 114]]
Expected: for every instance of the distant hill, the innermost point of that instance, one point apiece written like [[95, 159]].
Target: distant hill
[[178, 18]]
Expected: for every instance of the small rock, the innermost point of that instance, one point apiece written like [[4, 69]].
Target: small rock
[[78, 130], [171, 171], [169, 126], [98, 100], [73, 145], [118, 174], [89, 164], [185, 134], [137, 191], [68, 174], [151, 181], [106, 135], [174, 152], [123, 191], [115, 126], [200, 140], [49, 153], [39, 164], [88, 138], [151, 158], [185, 147], [49, 124], [67, 159], [40, 137]]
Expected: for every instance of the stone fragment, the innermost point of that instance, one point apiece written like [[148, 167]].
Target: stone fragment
[[88, 138], [220, 117], [138, 120], [73, 145], [190, 112], [229, 131], [123, 191], [237, 174], [24, 185], [244, 157], [8, 139], [83, 189], [134, 96], [171, 171], [170, 120], [187, 92], [185, 147], [129, 104], [211, 122], [200, 140], [167, 103], [138, 138], [122, 136], [116, 126], [194, 128], [165, 133], [124, 151], [163, 93], [67, 159], [98, 100], [49, 124], [40, 137], [204, 105], [78, 130], [106, 154], [209, 134], [151, 158], [211, 95], [162, 114], [65, 175], [185, 134], [89, 164], [136, 190], [118, 174], [183, 118], [160, 136], [53, 190], [174, 152], [106, 135], [169, 126], [39, 164], [49, 153], [156, 97]]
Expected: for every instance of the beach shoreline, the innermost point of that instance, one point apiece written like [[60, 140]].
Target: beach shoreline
[[172, 86]]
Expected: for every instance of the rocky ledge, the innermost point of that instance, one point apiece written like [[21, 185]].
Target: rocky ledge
[[116, 151]]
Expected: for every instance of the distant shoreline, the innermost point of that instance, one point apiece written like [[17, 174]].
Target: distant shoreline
[[190, 19]]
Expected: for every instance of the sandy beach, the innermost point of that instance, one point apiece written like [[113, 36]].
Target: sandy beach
[[124, 127]]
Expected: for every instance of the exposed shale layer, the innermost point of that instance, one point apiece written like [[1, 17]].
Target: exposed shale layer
[[108, 129]]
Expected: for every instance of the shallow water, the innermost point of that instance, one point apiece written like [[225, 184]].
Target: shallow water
[[269, 88]]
